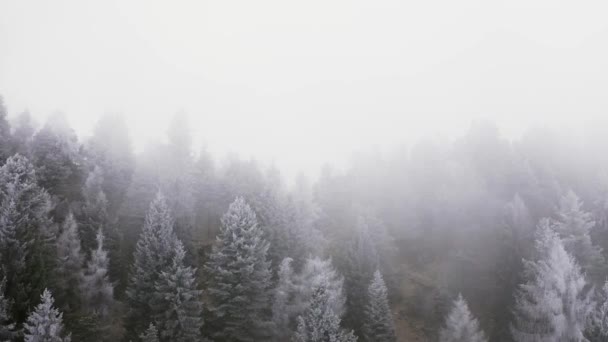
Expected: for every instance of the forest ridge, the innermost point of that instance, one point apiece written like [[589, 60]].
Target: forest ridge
[[478, 239]]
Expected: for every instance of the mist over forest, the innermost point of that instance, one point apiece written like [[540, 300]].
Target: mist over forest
[[480, 238]]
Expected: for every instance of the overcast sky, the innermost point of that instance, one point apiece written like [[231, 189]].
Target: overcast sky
[[303, 82]]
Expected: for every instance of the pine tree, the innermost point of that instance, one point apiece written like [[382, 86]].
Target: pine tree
[[5, 133], [239, 277], [178, 302], [574, 226], [7, 327], [45, 324], [70, 262], [154, 254], [379, 325], [597, 331], [283, 301], [317, 272], [460, 325], [96, 288], [56, 156], [319, 323], [26, 235], [150, 335], [553, 304], [23, 134]]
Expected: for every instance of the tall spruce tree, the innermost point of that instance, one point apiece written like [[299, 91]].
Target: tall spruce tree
[[597, 331], [154, 254], [574, 225], [150, 335], [23, 133], [178, 302], [7, 326], [5, 133], [239, 277], [460, 325], [283, 302], [27, 246], [45, 323], [379, 325], [554, 303], [96, 288], [70, 262], [319, 323]]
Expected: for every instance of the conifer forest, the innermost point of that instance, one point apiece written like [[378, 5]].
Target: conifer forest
[[303, 171]]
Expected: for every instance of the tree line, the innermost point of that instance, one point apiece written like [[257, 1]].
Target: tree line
[[477, 239]]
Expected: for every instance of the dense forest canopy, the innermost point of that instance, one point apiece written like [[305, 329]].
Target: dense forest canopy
[[476, 239]]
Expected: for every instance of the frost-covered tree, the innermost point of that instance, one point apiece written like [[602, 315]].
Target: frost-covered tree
[[378, 325], [56, 156], [45, 323], [317, 271], [23, 133], [26, 235], [178, 302], [96, 288], [7, 326], [94, 210], [154, 254], [319, 323], [554, 303], [460, 325], [150, 335], [283, 301], [239, 277], [5, 133], [70, 261], [597, 329], [573, 224]]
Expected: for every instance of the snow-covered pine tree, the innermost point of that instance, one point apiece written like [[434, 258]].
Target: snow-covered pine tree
[[153, 254], [597, 330], [150, 335], [26, 235], [315, 272], [70, 262], [460, 325], [178, 302], [283, 305], [573, 224], [7, 326], [554, 303], [239, 277], [379, 325], [319, 323], [5, 133], [45, 323], [96, 288], [56, 156]]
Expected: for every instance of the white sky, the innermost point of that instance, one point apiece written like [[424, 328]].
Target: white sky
[[304, 82]]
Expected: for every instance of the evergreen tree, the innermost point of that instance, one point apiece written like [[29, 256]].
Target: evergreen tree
[[317, 272], [56, 156], [69, 266], [7, 327], [45, 323], [239, 277], [597, 330], [379, 325], [26, 235], [283, 302], [150, 335], [574, 225], [553, 304], [5, 133], [460, 325], [178, 302], [154, 254], [96, 288], [319, 323], [23, 134]]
